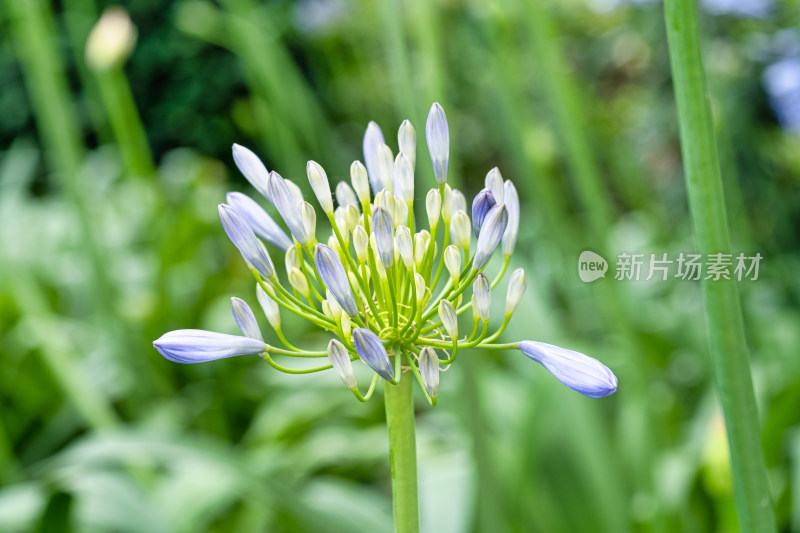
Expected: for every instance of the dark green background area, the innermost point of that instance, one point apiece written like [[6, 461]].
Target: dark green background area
[[106, 243]]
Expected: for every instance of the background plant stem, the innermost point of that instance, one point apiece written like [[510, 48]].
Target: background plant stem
[[728, 348], [402, 454]]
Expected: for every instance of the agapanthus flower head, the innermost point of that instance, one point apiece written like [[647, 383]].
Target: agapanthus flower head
[[387, 289]]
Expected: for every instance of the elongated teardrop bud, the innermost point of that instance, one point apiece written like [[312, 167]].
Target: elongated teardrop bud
[[494, 182], [190, 346], [319, 184], [270, 308], [494, 225], [483, 202], [358, 176], [512, 203], [447, 314], [482, 291], [373, 137], [258, 220], [404, 246], [345, 195], [340, 360], [252, 168], [407, 142], [452, 260], [333, 275], [577, 371], [370, 349], [287, 204], [245, 319], [245, 240], [429, 371], [404, 178], [437, 134], [516, 288], [383, 230], [433, 207]]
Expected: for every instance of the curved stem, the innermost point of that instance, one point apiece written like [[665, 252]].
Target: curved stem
[[402, 454]]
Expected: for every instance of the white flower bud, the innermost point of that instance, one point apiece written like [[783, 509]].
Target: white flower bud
[[351, 215], [421, 289], [270, 308], [404, 178], [299, 282], [111, 40], [336, 309], [358, 176], [494, 182], [452, 260], [460, 230], [404, 246], [448, 204], [512, 203], [319, 184], [309, 217], [292, 258], [407, 142], [516, 288], [340, 360], [447, 314], [433, 205], [421, 241], [345, 195], [482, 296], [386, 167], [400, 214], [360, 243]]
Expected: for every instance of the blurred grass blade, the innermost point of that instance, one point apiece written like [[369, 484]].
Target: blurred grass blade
[[727, 342]]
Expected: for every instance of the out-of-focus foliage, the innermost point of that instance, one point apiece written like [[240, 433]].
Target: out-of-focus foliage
[[106, 242]]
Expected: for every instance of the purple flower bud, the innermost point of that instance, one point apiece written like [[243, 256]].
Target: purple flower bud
[[437, 134], [370, 348], [579, 372], [245, 319], [383, 229], [198, 346], [258, 219], [481, 205], [245, 240], [333, 275], [429, 371], [492, 229]]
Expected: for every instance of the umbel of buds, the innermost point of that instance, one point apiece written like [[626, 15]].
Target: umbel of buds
[[376, 285]]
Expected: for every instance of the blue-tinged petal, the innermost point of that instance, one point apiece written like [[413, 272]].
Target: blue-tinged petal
[[252, 168], [437, 134], [242, 236], [289, 205], [482, 291], [383, 229], [198, 346], [340, 360], [373, 138], [481, 205], [245, 319], [579, 372], [370, 348], [258, 219], [429, 371], [333, 275], [494, 225]]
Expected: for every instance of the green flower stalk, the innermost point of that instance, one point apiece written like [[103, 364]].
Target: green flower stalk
[[376, 284]]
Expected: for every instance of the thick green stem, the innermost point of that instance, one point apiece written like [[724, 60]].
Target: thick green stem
[[402, 454], [728, 347]]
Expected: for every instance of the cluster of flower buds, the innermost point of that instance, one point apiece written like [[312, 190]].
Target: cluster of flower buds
[[381, 284]]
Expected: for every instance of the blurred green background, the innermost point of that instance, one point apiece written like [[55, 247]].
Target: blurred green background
[[109, 181]]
